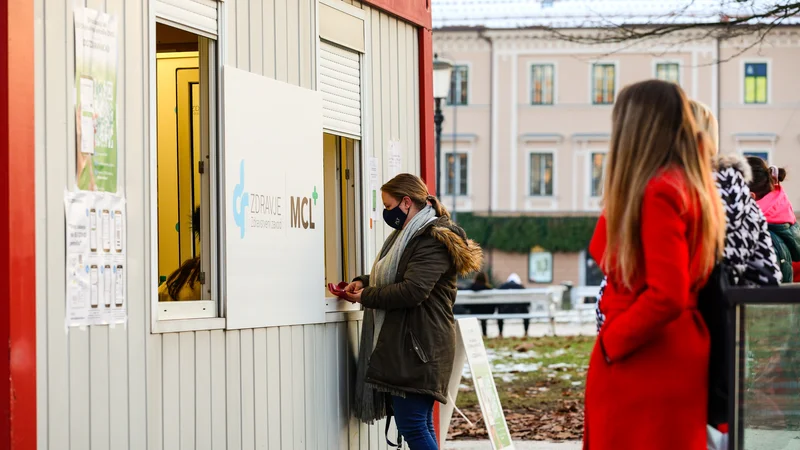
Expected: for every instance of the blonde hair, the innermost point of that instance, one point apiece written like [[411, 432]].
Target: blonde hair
[[706, 121], [412, 186], [653, 129]]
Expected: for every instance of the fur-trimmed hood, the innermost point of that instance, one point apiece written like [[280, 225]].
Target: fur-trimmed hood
[[466, 253], [735, 162]]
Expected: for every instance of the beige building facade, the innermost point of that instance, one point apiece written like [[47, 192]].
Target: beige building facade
[[527, 129]]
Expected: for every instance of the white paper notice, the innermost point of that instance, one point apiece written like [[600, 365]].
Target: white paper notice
[[96, 251], [373, 189], [87, 115], [395, 159]]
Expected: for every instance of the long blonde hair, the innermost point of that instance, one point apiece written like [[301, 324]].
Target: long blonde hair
[[705, 121], [412, 186], [653, 129]]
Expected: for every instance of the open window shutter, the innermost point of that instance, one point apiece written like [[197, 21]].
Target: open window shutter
[[194, 15], [340, 84]]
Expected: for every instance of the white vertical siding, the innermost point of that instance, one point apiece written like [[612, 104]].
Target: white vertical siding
[[126, 388]]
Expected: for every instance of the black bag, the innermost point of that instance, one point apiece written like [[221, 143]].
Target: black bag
[[714, 307]]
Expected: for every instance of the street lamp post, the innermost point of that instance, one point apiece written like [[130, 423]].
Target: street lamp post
[[442, 70]]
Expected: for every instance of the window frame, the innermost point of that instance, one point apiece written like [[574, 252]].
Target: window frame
[[554, 83], [461, 64], [658, 62], [529, 173], [193, 315], [592, 65], [590, 165], [456, 182], [743, 81]]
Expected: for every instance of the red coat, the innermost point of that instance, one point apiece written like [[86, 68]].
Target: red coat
[[647, 382]]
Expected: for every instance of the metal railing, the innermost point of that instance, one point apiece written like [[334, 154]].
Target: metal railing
[[545, 304], [764, 368]]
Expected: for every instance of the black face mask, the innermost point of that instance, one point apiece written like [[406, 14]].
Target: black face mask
[[395, 217]]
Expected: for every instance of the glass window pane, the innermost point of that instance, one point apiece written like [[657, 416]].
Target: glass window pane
[[598, 159], [451, 173], [750, 90], [761, 90], [462, 175], [536, 178], [548, 175]]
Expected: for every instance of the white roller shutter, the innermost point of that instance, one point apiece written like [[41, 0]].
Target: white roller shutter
[[340, 84], [196, 15]]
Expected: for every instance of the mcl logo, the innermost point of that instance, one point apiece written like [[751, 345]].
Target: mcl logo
[[240, 202], [299, 206]]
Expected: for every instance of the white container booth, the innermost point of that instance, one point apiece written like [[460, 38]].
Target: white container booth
[[237, 144]]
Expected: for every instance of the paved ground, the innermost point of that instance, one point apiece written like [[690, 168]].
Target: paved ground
[[518, 445]]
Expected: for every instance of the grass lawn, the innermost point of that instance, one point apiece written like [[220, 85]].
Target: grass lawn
[[540, 382]]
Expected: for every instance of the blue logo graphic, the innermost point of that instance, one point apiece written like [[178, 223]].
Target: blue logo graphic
[[240, 199]]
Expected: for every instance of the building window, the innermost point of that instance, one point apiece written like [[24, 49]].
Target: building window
[[342, 244], [755, 83], [594, 275], [668, 72], [763, 154], [598, 161], [542, 81], [541, 182], [186, 163], [459, 83], [457, 165], [603, 83]]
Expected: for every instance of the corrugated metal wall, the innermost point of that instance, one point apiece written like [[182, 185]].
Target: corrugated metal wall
[[125, 388]]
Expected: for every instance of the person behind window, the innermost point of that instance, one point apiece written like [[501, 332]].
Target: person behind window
[[768, 192], [184, 283], [513, 282], [658, 240], [481, 283], [408, 332]]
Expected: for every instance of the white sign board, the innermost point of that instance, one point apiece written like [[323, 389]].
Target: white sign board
[[274, 229], [491, 409]]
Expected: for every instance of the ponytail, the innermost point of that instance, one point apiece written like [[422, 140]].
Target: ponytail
[[441, 211]]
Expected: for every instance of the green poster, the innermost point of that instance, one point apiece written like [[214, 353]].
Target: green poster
[[97, 153]]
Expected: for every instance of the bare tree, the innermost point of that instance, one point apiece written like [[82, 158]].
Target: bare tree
[[753, 19]]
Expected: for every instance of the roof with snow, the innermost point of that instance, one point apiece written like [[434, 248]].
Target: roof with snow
[[505, 14]]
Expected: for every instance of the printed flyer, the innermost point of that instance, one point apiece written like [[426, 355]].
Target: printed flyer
[[96, 149], [96, 263]]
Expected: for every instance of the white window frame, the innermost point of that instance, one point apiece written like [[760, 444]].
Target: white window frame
[[443, 173], [530, 83], [658, 61], [543, 151], [591, 82], [468, 65], [589, 164], [742, 76], [188, 316]]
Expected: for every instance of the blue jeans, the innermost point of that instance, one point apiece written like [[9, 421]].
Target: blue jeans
[[414, 417]]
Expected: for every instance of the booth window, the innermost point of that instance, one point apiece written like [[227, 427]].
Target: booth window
[[342, 244], [185, 165]]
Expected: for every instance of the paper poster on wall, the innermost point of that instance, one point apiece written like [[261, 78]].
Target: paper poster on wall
[[486, 390], [374, 190], [97, 153], [96, 264], [540, 266], [274, 194], [395, 159]]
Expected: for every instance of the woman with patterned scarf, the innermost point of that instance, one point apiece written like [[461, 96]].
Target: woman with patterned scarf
[[408, 334]]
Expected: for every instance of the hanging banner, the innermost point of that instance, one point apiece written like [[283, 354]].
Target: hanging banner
[[96, 148], [96, 264]]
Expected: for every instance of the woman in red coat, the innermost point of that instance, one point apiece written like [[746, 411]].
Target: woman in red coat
[[657, 242]]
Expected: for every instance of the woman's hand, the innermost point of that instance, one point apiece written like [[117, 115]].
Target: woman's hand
[[355, 297], [353, 287]]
